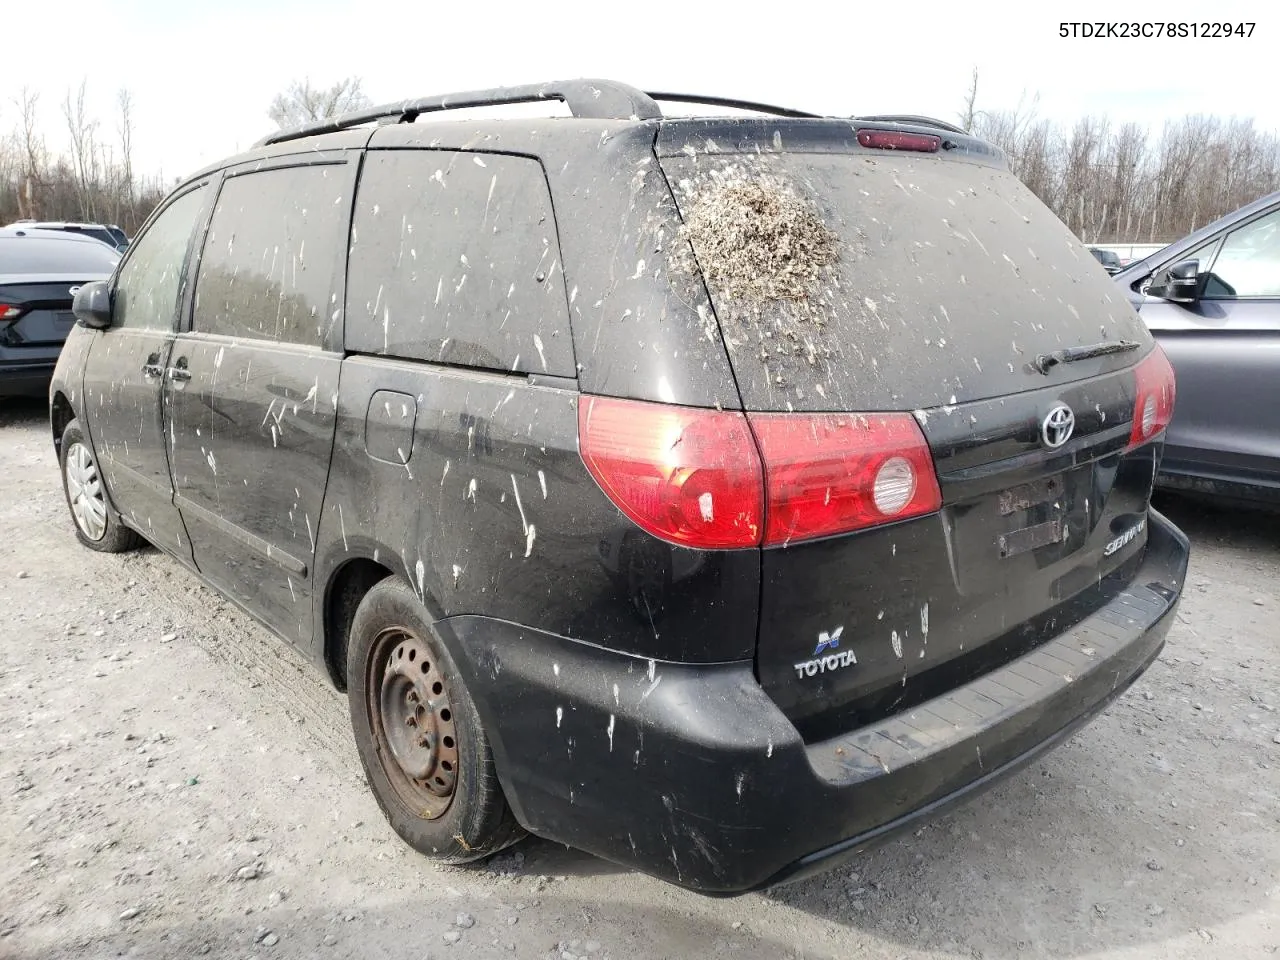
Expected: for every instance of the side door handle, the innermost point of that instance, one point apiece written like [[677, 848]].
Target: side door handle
[[179, 370], [152, 368]]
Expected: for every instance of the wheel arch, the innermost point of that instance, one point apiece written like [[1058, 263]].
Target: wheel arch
[[61, 413], [351, 577]]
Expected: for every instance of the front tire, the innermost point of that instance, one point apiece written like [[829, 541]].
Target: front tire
[[97, 524], [424, 751]]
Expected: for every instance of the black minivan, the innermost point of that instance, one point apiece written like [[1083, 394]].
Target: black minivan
[[716, 495]]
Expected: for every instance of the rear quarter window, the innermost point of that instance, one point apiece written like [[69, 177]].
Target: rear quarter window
[[454, 259]]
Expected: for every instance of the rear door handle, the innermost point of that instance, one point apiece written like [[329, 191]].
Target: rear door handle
[[179, 370]]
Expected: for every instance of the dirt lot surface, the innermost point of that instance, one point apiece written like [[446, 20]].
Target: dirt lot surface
[[174, 781]]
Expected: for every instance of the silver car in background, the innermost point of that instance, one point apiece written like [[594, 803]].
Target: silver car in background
[[1212, 300]]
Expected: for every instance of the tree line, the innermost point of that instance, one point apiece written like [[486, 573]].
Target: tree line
[[1124, 183], [93, 180], [1119, 183]]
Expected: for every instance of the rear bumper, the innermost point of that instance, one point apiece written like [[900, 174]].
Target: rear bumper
[[692, 774], [26, 379]]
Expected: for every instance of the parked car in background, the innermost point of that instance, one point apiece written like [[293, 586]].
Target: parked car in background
[[109, 234], [40, 272], [1212, 300], [620, 545], [1109, 260]]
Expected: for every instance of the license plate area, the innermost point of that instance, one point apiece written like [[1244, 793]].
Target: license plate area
[[1029, 538]]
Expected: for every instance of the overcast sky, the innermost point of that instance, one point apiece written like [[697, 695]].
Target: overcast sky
[[202, 75]]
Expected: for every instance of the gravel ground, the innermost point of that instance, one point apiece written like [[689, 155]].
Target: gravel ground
[[175, 782]]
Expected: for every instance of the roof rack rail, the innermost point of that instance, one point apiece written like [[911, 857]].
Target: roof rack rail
[[911, 118], [736, 104], [593, 99]]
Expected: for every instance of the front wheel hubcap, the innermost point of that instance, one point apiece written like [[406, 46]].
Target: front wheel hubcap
[[412, 710], [84, 491]]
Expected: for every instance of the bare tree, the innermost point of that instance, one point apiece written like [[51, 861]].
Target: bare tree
[[33, 155], [82, 130], [969, 115], [124, 202], [303, 103]]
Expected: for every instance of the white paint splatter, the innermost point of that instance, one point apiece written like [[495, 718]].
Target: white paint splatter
[[705, 507], [529, 536], [559, 716], [342, 524], [896, 642], [924, 623], [447, 464], [615, 695], [537, 342], [742, 778], [542, 481], [609, 730], [555, 668], [457, 574], [653, 666], [524, 523]]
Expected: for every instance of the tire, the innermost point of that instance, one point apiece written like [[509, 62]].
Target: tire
[[97, 524], [419, 735]]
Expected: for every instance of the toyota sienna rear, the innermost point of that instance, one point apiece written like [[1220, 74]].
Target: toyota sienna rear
[[713, 495]]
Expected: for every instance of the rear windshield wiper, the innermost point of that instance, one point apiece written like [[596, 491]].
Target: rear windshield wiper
[[1044, 361]]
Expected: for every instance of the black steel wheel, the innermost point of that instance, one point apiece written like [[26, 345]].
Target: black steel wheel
[[424, 750]]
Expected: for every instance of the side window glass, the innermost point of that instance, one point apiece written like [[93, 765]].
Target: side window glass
[[149, 286], [1248, 265], [454, 259], [267, 270]]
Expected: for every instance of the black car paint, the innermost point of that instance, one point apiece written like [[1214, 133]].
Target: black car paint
[[632, 689], [921, 601], [29, 346], [694, 773], [1225, 436]]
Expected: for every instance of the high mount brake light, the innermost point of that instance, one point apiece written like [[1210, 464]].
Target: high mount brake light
[[899, 140], [1154, 397], [711, 479]]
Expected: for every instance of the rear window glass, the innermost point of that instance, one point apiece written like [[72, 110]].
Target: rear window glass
[[55, 255], [454, 258], [934, 282]]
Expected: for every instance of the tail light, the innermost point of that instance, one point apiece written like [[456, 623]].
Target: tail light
[[897, 140], [832, 473], [712, 479], [686, 475], [1153, 405], [9, 312]]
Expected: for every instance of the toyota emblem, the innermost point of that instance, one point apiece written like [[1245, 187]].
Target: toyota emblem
[[1057, 426]]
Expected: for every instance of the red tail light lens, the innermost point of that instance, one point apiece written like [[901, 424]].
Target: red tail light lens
[[689, 476], [1153, 407], [897, 140], [833, 473], [9, 313]]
